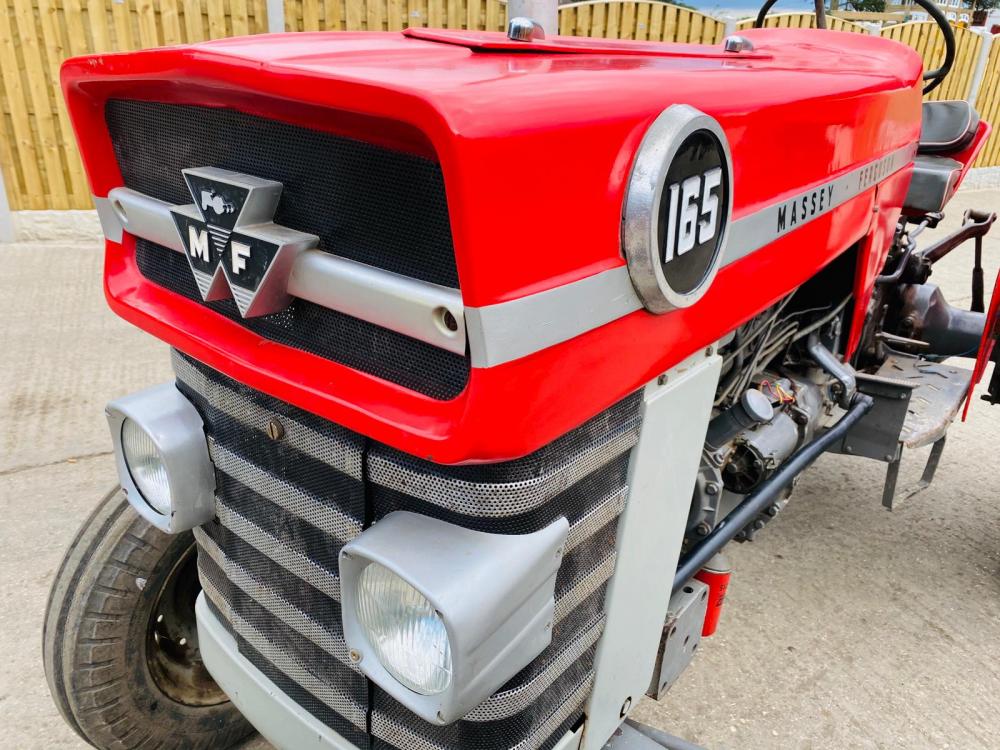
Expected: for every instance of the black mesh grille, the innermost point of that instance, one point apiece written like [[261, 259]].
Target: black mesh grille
[[269, 562], [326, 333], [365, 202]]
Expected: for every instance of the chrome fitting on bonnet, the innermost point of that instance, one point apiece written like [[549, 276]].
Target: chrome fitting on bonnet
[[162, 458]]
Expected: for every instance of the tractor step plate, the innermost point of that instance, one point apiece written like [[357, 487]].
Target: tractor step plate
[[938, 392]]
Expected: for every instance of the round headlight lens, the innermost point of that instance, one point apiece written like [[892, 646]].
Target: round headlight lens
[[408, 636], [146, 467]]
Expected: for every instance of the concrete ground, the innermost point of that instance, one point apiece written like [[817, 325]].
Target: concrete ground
[[845, 626]]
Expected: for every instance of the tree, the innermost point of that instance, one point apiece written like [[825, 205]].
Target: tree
[[982, 5], [878, 6]]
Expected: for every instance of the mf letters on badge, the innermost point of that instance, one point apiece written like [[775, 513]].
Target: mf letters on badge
[[232, 243]]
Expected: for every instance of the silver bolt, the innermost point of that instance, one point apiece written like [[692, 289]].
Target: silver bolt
[[521, 29], [737, 44], [275, 430], [712, 488], [355, 655]]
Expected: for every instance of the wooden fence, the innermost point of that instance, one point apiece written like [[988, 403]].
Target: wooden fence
[[639, 20], [926, 38], [38, 157], [802, 21]]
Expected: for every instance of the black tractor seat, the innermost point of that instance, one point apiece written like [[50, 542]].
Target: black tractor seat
[[947, 127], [935, 179]]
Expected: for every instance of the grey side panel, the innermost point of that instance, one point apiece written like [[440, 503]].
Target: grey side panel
[[661, 478], [284, 723]]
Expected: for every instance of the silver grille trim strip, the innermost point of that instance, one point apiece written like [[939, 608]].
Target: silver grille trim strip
[[295, 562], [585, 586], [333, 698], [340, 455], [289, 497], [597, 518], [391, 300], [498, 500], [515, 700], [386, 728], [289, 614]]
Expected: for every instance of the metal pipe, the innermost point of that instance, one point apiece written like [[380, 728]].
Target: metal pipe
[[826, 359], [768, 492]]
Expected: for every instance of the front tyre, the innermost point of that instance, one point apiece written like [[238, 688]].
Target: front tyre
[[120, 642]]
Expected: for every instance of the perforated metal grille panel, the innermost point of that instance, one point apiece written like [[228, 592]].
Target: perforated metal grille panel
[[286, 507], [326, 333], [365, 202]]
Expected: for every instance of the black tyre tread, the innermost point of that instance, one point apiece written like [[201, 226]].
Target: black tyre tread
[[61, 594], [88, 621]]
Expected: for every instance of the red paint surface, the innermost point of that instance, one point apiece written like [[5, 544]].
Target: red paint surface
[[536, 151], [716, 576]]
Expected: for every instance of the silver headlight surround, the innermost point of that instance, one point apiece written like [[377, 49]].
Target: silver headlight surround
[[495, 594], [177, 433]]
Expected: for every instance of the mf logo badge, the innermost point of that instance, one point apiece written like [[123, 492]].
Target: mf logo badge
[[677, 209], [231, 242]]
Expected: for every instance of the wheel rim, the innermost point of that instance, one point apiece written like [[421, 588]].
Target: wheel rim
[[172, 652]]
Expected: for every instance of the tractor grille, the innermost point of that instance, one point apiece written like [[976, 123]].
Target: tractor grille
[[365, 202], [381, 207], [286, 507]]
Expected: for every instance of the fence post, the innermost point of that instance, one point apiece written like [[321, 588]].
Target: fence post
[[980, 72], [275, 16], [6, 217], [543, 12]]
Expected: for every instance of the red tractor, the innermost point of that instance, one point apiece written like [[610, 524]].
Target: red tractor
[[485, 347]]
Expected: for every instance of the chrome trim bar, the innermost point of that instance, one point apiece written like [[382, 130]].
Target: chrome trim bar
[[413, 308], [506, 331]]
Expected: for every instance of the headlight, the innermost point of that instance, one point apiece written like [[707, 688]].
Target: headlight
[[406, 634], [440, 616], [162, 458], [146, 467]]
